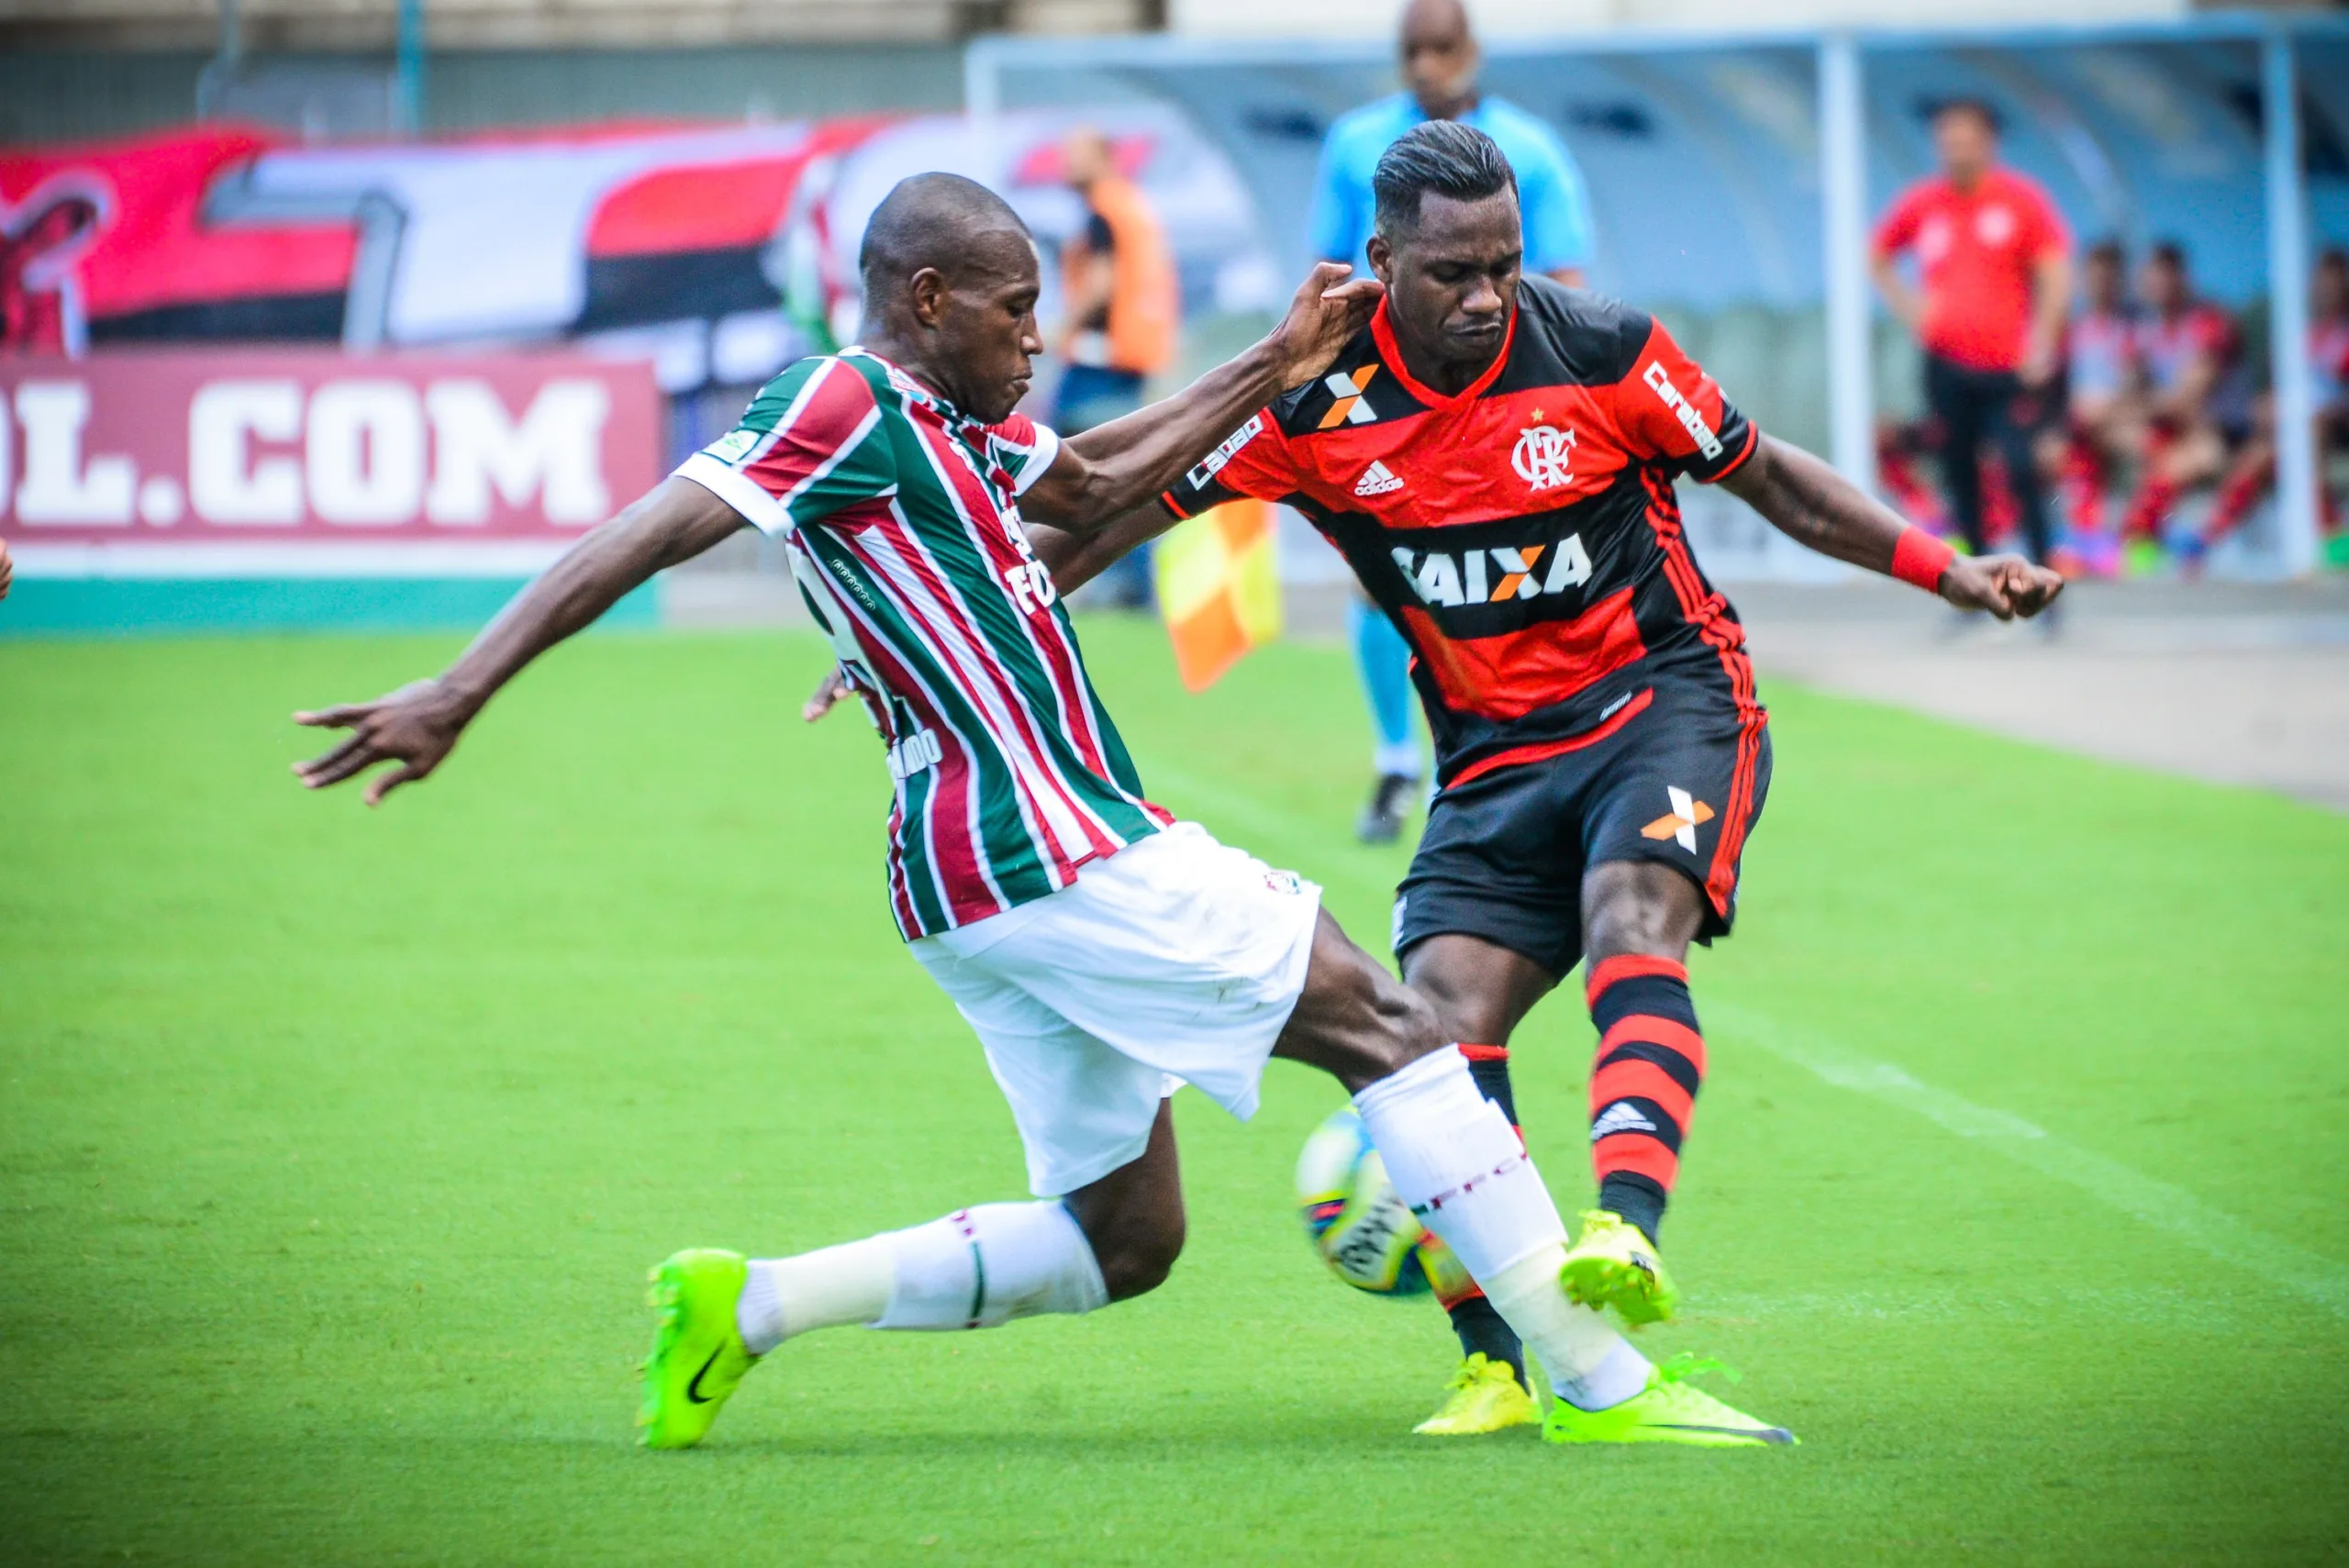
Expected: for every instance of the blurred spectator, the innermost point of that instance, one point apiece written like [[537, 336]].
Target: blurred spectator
[[1994, 260], [1440, 58], [2100, 381], [2253, 470], [1123, 308], [2186, 346]]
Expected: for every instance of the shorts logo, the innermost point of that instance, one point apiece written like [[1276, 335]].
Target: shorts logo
[[1683, 411], [1544, 456], [1348, 408], [1376, 481], [1494, 576], [1285, 881], [1213, 463], [1679, 823]]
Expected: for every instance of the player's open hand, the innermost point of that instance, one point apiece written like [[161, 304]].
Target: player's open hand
[[1329, 309], [415, 727], [2006, 585], [826, 696]]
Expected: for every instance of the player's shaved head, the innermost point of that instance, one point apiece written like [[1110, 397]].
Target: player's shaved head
[[949, 291], [939, 221]]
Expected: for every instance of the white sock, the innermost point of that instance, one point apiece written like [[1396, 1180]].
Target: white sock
[[976, 1268], [826, 1289], [1589, 1364], [1455, 1160]]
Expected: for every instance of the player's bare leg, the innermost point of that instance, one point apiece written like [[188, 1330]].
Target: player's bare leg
[[1454, 1157], [1112, 1239]]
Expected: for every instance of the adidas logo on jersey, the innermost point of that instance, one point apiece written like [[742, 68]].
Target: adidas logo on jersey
[[1376, 481], [1621, 1117], [1494, 576]]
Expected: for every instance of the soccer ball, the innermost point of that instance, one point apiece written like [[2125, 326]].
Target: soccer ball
[[1367, 1233]]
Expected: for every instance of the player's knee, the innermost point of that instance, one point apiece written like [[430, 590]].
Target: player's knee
[[1135, 1259], [1640, 906]]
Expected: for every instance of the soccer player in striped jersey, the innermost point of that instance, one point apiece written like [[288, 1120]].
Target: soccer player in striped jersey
[[1495, 455], [1101, 950]]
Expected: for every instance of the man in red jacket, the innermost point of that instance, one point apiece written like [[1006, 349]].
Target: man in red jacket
[[1994, 259]]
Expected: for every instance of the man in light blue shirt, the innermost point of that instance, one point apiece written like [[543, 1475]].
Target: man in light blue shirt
[[1439, 60]]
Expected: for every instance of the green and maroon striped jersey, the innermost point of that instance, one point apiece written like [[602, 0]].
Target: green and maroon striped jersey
[[902, 516]]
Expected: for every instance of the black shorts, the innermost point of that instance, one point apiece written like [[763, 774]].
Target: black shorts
[[1681, 781]]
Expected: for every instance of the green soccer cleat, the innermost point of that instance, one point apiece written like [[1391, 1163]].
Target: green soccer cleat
[[698, 1358], [1615, 1266], [1485, 1397], [1669, 1410]]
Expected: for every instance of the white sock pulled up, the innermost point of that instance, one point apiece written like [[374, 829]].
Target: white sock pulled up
[[1454, 1157], [976, 1268]]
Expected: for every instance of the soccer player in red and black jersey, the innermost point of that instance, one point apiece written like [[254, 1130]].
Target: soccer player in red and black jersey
[[1496, 456]]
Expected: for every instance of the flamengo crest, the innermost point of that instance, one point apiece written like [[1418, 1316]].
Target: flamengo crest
[[1544, 456]]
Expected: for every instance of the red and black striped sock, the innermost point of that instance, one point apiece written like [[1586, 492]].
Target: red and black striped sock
[[1643, 1083], [1473, 1319]]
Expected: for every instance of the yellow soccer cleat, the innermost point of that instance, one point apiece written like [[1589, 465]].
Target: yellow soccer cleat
[[698, 1357], [1485, 1397], [1668, 1411], [1615, 1266]]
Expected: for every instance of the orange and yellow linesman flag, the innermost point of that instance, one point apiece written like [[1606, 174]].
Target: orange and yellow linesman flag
[[1219, 587]]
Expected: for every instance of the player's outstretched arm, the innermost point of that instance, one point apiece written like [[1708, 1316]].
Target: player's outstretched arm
[[1112, 469], [418, 725], [1805, 499]]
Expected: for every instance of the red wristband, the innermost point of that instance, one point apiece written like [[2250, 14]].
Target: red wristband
[[1920, 558]]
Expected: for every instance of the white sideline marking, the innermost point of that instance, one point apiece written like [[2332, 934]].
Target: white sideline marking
[[2152, 1202]]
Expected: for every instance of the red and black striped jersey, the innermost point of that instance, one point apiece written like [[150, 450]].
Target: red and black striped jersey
[[1523, 535]]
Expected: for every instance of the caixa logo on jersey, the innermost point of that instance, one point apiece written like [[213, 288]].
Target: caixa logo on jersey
[[1500, 575]]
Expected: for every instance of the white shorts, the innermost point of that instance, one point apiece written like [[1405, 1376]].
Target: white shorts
[[1176, 960]]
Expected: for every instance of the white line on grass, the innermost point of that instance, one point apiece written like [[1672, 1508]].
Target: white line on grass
[[2152, 1202]]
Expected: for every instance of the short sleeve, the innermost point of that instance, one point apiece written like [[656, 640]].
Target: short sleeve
[[1024, 449], [1334, 231], [1254, 459], [809, 444], [1897, 231], [2050, 235], [1557, 208], [1672, 413]]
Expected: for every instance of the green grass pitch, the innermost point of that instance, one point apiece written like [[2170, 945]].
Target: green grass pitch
[[333, 1148]]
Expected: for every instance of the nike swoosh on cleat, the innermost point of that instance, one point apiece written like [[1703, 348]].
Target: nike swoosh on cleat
[[1759, 1434], [692, 1389]]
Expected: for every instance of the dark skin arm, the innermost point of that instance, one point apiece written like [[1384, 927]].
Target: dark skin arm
[[1803, 498], [417, 726], [1112, 469]]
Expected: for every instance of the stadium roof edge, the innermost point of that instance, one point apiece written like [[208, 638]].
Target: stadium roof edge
[[1030, 53]]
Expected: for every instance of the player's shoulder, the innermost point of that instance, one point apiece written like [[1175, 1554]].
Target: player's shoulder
[[1302, 410], [1519, 131], [2014, 183], [1572, 337], [1367, 128]]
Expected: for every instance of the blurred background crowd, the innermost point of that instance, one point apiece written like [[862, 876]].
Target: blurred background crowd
[[354, 313]]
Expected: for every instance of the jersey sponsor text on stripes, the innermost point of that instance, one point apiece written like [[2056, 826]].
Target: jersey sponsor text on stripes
[[902, 518]]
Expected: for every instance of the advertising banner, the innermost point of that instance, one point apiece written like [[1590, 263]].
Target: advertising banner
[[201, 464]]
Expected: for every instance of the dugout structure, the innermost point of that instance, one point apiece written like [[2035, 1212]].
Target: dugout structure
[[1733, 178]]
